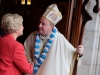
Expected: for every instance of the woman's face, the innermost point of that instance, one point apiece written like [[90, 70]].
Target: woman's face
[[20, 31], [44, 27]]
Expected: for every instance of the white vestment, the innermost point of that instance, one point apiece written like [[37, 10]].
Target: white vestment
[[59, 58]]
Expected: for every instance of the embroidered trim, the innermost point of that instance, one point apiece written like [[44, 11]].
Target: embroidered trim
[[40, 58]]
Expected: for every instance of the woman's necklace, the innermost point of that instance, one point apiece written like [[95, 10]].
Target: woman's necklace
[[41, 57]]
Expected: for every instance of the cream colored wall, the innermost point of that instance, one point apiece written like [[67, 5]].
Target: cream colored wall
[[91, 42]]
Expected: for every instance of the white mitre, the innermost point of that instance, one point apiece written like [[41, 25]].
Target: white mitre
[[53, 14]]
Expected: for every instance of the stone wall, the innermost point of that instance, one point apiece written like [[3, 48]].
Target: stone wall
[[91, 41]]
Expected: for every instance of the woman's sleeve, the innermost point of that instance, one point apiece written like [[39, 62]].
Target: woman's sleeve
[[20, 60]]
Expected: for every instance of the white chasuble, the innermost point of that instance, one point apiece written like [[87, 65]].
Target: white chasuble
[[59, 58]]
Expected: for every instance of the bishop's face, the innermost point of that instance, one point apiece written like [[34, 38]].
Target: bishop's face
[[44, 27]]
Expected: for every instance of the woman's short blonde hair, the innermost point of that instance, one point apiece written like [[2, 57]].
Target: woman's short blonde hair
[[11, 22]]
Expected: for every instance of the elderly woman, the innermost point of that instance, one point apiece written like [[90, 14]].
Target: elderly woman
[[12, 58]]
